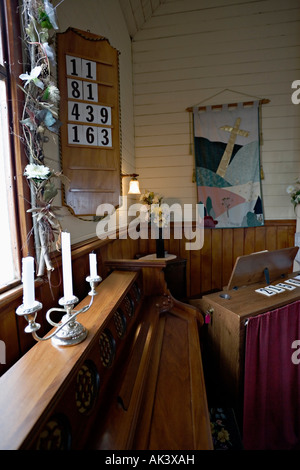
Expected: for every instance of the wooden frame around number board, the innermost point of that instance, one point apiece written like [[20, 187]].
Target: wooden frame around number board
[[88, 80]]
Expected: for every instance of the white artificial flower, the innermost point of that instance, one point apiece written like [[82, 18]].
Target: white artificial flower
[[49, 51], [33, 77], [160, 216], [144, 213], [54, 95], [51, 13], [290, 189], [34, 171]]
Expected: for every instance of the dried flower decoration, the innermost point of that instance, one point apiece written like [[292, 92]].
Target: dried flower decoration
[[40, 114]]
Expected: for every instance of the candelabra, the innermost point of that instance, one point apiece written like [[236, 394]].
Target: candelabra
[[68, 331]]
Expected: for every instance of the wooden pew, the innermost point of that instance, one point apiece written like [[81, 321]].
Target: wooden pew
[[136, 382]]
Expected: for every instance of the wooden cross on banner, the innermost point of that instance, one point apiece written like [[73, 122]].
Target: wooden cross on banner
[[234, 132]]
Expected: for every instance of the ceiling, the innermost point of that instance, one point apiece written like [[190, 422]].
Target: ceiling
[[138, 12]]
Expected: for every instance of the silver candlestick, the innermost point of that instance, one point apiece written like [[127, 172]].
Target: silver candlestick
[[68, 331]]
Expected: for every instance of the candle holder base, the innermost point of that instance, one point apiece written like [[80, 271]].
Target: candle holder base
[[72, 333]]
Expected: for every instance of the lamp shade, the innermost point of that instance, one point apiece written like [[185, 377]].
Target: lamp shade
[[134, 187]]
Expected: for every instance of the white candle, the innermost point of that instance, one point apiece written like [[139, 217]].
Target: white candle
[[67, 265], [28, 281], [93, 265]]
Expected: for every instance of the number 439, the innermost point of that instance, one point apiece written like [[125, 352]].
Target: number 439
[[94, 114]]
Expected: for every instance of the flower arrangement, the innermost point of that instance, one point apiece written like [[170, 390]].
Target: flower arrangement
[[149, 198], [40, 115], [220, 435], [294, 192], [154, 210]]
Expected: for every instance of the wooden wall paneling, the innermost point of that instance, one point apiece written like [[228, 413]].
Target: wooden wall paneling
[[238, 243], [114, 250], [193, 263], [101, 258], [206, 268], [188, 255], [282, 237], [228, 260], [216, 259], [132, 248], [291, 234], [195, 274], [260, 238], [143, 245], [211, 267], [249, 240], [80, 271], [271, 238], [152, 245], [174, 245]]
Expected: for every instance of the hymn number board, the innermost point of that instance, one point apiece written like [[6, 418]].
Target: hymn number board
[[91, 116], [88, 77]]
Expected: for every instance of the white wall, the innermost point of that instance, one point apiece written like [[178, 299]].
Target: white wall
[[102, 17], [192, 50]]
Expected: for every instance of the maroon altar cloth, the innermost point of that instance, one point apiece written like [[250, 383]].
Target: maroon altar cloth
[[272, 380]]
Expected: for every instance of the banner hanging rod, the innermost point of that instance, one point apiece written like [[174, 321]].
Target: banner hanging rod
[[230, 105]]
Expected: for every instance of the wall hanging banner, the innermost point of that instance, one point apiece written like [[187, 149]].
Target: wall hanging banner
[[228, 165]]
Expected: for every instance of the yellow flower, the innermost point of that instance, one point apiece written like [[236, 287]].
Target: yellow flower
[[223, 435]]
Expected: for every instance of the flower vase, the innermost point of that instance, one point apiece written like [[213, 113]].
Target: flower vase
[[160, 244]]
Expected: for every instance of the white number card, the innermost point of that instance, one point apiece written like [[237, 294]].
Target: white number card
[[91, 113], [75, 90], [86, 117], [81, 68], [89, 136]]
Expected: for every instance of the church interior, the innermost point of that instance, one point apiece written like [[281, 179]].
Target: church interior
[[150, 276]]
